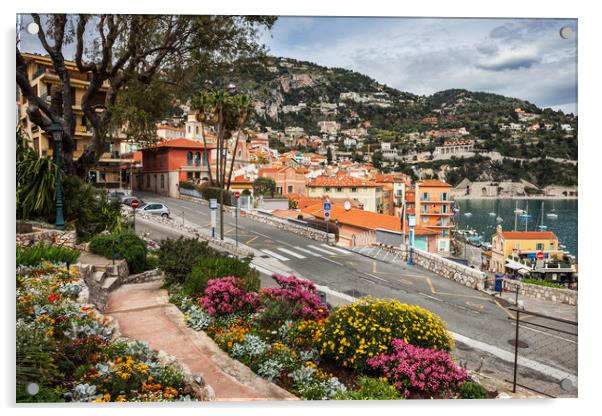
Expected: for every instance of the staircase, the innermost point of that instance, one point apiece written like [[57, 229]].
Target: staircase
[[101, 277]]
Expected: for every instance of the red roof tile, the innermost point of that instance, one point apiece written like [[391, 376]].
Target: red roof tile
[[433, 182], [180, 143], [529, 235]]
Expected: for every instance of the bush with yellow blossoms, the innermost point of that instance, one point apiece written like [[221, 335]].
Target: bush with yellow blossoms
[[356, 332]]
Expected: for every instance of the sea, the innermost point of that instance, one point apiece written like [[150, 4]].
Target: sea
[[565, 226]]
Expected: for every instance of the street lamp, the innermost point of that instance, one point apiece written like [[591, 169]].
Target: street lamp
[[57, 136]]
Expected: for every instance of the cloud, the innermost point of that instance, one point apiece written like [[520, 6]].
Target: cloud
[[509, 60]]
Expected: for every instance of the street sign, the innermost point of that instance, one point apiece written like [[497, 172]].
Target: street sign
[[327, 216], [411, 220], [326, 206], [236, 194], [135, 203], [540, 255], [213, 203]]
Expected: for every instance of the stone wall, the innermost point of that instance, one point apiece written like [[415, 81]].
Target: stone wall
[[144, 277], [552, 294], [450, 270], [48, 236], [294, 228]]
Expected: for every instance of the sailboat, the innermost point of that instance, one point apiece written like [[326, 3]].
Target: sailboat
[[498, 219], [552, 214], [541, 226], [525, 215], [517, 210]]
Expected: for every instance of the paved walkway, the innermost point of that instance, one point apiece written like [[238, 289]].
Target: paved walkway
[[144, 313]]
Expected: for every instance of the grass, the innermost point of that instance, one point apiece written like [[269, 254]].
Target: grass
[[34, 255]]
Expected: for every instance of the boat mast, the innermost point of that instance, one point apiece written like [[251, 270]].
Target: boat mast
[[516, 216]]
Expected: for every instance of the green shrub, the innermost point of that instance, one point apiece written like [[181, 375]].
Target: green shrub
[[152, 261], [543, 283], [472, 390], [178, 257], [172, 376], [126, 246], [209, 192], [34, 255], [187, 185], [88, 210], [274, 313], [365, 328], [213, 267], [371, 389]]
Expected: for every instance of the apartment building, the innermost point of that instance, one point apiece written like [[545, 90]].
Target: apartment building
[[366, 192], [433, 209]]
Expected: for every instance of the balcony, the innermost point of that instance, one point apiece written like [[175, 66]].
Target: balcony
[[39, 72]]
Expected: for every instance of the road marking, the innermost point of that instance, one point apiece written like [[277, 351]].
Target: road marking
[[340, 250], [376, 277], [307, 251], [435, 292], [275, 255], [548, 334], [332, 261], [292, 253], [406, 281], [252, 239], [475, 305], [263, 235], [322, 250], [431, 297], [367, 280]]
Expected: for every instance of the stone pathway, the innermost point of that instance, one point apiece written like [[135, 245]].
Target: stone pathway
[[144, 313]]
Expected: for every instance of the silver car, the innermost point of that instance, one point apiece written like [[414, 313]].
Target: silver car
[[156, 208]]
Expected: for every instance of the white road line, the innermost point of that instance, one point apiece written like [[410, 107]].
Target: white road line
[[548, 334], [376, 277], [332, 261], [340, 250], [263, 235], [292, 253], [307, 251], [431, 297], [367, 280], [330, 253], [275, 255]]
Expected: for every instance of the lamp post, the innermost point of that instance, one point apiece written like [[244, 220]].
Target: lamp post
[[411, 224], [57, 136]]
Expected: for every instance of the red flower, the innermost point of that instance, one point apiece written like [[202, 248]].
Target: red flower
[[52, 298]]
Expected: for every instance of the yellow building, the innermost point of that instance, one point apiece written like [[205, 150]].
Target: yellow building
[[514, 246], [369, 194], [112, 170], [433, 209]]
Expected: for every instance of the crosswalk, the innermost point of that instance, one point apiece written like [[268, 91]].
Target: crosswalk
[[311, 250]]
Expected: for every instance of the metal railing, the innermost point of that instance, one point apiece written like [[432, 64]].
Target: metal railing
[[545, 354]]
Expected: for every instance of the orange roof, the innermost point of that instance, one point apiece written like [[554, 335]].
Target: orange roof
[[241, 179], [356, 217], [433, 182], [529, 235], [302, 170], [340, 181], [180, 143]]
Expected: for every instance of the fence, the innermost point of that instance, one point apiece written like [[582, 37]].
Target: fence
[[545, 354]]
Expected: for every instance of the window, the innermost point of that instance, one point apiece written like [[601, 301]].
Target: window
[[290, 189], [444, 209], [424, 209], [162, 181], [197, 129], [551, 246], [103, 177], [444, 196], [425, 196], [424, 219], [197, 159], [189, 129], [339, 189], [326, 189], [353, 189], [188, 175], [148, 180], [539, 246], [189, 158]]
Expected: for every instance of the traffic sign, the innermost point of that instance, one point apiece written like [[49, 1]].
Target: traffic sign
[[326, 206], [540, 255], [135, 203], [327, 215], [213, 203], [237, 194]]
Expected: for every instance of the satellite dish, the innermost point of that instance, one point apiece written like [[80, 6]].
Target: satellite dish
[[347, 205]]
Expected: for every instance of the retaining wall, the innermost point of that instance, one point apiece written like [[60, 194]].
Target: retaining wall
[[450, 270], [48, 236], [307, 232], [552, 294]]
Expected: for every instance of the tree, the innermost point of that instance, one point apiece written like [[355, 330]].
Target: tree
[[264, 186], [128, 51]]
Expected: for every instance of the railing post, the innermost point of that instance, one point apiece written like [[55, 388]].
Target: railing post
[[516, 351]]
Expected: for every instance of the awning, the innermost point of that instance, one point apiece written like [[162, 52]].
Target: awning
[[523, 271], [514, 265]]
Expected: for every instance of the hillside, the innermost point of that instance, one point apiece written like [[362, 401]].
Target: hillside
[[290, 93]]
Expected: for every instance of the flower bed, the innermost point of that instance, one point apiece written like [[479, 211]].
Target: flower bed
[[359, 351], [68, 349]]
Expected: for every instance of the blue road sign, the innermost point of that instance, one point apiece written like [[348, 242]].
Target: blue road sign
[[327, 215], [326, 206]]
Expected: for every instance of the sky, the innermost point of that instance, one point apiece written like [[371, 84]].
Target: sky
[[522, 58]]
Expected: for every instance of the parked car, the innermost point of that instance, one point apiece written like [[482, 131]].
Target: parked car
[[117, 195], [156, 208], [127, 200]]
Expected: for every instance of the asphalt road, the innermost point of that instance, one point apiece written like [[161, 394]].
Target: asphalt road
[[473, 314]]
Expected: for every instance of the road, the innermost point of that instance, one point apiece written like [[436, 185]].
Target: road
[[472, 314]]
